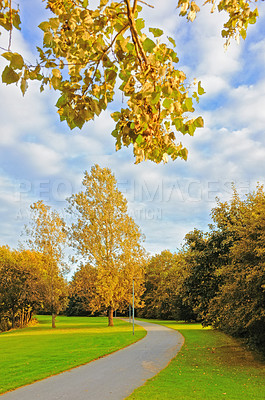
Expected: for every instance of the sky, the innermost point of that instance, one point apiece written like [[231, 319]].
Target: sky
[[41, 159]]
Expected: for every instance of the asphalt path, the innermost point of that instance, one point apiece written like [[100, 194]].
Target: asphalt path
[[113, 377]]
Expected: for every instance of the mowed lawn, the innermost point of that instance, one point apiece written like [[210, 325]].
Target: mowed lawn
[[33, 353], [210, 365]]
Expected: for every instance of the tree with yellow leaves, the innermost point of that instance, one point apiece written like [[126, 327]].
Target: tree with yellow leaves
[[88, 49], [47, 235], [21, 286], [106, 238]]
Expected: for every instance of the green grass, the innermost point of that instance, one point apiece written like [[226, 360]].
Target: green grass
[[34, 353], [210, 365]]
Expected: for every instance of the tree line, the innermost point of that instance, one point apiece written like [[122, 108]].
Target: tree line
[[217, 277]]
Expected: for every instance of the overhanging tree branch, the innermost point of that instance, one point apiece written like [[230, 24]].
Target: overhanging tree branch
[[138, 45]]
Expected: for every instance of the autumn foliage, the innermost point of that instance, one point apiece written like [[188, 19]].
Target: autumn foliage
[[23, 286], [222, 274], [217, 277], [91, 52], [108, 244]]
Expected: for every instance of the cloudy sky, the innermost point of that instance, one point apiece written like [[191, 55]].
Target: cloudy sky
[[41, 159]]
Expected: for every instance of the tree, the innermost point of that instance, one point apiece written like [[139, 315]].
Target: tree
[[21, 286], [164, 276], [86, 51], [47, 235], [83, 289], [239, 306], [204, 254], [107, 239], [225, 268]]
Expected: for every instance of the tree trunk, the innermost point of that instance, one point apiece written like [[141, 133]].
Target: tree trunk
[[53, 320], [30, 315], [110, 315], [22, 318], [13, 319]]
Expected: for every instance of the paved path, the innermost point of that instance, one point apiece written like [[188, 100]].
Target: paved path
[[113, 377]]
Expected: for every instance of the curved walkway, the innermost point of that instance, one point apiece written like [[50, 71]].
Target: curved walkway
[[113, 377]]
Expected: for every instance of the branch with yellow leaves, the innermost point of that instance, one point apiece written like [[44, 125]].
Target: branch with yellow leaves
[[135, 37]]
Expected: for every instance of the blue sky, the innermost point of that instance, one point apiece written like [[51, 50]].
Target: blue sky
[[42, 159]]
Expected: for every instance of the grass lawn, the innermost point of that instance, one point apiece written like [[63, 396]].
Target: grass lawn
[[210, 365], [34, 353]]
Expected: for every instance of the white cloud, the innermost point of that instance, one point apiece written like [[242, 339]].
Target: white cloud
[[44, 159], [258, 50], [213, 84]]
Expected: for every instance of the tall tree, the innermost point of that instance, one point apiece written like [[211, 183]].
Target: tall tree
[[47, 235], [204, 254], [87, 49], [226, 268], [239, 305], [108, 240]]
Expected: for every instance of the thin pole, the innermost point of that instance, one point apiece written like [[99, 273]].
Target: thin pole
[[133, 305], [130, 313]]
